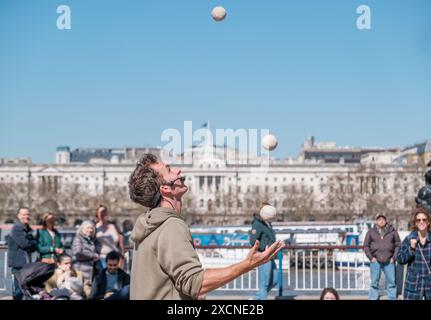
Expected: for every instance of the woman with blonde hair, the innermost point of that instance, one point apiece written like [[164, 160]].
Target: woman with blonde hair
[[416, 253], [49, 240], [108, 236], [84, 250]]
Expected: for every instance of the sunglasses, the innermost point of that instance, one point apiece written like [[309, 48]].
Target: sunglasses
[[422, 220]]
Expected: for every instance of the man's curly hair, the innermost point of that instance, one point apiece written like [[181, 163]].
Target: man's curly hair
[[145, 182]]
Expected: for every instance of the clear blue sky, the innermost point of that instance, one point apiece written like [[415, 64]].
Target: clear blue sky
[[129, 69]]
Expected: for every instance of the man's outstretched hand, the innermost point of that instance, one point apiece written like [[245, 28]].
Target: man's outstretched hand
[[256, 258]]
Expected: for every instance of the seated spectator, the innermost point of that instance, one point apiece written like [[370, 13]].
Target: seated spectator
[[66, 277], [112, 283], [329, 294]]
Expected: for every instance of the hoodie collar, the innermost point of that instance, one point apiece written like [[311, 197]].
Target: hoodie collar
[[149, 221]]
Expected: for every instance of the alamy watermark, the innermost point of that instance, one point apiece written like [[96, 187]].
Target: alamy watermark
[[364, 20], [64, 20], [234, 147]]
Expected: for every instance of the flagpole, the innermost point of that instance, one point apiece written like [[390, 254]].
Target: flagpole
[[208, 133]]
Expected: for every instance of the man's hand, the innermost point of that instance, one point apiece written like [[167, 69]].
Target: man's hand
[[256, 258], [108, 294], [58, 251], [374, 260]]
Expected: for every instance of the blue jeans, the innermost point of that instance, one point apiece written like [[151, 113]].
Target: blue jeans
[[123, 294], [268, 278], [16, 289], [388, 269], [102, 263]]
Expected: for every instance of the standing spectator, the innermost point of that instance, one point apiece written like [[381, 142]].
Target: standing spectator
[[21, 244], [329, 294], [263, 232], [84, 250], [66, 277], [416, 253], [49, 240], [382, 244], [109, 238], [112, 283]]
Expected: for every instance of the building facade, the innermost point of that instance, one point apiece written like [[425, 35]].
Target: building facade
[[220, 192]]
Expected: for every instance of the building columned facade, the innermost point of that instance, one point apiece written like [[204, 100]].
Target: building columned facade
[[220, 192]]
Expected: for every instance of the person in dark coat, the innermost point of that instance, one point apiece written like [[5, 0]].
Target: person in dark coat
[[112, 283], [263, 232], [416, 253], [21, 244], [381, 246]]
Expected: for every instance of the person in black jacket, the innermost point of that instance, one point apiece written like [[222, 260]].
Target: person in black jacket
[[263, 232], [21, 244], [112, 283]]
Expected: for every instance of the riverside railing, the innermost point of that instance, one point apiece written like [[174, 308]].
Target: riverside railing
[[303, 268]]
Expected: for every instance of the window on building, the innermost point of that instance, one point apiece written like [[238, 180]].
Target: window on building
[[201, 182], [217, 203]]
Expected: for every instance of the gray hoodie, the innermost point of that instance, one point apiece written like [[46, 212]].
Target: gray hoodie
[[165, 264]]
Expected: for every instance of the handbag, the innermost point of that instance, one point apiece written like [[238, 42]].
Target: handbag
[[48, 260], [423, 257]]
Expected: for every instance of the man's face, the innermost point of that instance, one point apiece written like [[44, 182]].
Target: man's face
[[381, 222], [112, 266], [24, 216], [171, 174]]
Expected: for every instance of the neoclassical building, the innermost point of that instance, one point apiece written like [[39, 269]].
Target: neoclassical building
[[221, 191]]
